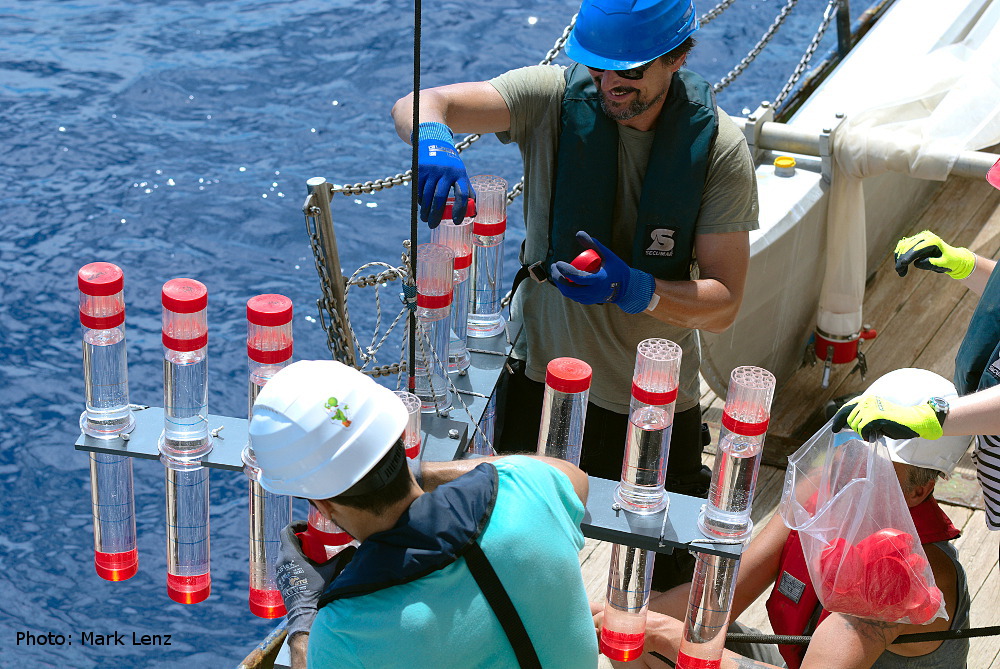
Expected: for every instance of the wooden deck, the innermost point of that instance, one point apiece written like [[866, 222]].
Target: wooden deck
[[920, 321]]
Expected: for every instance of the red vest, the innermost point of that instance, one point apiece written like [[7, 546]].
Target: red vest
[[793, 602]]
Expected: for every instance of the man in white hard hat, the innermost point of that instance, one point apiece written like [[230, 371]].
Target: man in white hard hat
[[775, 559], [479, 567]]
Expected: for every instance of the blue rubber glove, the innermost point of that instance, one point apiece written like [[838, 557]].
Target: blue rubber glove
[[440, 170], [615, 282], [301, 581]]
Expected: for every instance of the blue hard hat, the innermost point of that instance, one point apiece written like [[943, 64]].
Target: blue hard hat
[[621, 34]]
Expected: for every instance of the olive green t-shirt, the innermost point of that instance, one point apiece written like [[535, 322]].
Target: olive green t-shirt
[[602, 334]]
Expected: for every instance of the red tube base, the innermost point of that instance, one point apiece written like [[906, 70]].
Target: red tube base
[[116, 566], [685, 661], [621, 646], [189, 589], [413, 451], [266, 603]]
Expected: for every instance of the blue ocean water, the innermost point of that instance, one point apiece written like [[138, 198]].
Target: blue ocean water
[[174, 139]]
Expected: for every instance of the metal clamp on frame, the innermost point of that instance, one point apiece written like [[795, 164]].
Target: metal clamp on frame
[[753, 128], [826, 140]]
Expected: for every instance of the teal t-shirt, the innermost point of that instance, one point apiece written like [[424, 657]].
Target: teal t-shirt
[[533, 541]]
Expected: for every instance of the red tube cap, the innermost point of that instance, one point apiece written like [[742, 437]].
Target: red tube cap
[[588, 261], [568, 375], [184, 296], [269, 310], [100, 279], [470, 208]]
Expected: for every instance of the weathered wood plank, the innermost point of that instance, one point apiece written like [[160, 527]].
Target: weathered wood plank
[[960, 515], [595, 574], [984, 650], [977, 549]]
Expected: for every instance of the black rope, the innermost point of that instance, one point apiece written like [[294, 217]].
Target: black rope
[[917, 637], [414, 193]]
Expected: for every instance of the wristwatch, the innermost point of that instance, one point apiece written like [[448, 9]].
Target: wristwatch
[[941, 408]]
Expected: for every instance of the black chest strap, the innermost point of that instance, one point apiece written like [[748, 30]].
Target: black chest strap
[[498, 599]]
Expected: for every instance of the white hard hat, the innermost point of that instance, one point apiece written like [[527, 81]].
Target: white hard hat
[[910, 387], [319, 426]]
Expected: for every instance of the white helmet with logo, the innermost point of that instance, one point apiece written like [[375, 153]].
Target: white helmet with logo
[[910, 387], [319, 426]]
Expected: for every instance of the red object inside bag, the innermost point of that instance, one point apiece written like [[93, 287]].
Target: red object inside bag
[[881, 577]]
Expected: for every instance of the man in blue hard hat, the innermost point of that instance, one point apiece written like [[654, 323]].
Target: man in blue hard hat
[[625, 153]]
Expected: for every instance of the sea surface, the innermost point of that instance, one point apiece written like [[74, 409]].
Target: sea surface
[[174, 138]]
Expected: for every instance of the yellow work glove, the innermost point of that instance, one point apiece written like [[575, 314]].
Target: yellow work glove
[[873, 417], [925, 250]]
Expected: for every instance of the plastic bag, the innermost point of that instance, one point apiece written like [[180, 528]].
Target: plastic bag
[[864, 558]]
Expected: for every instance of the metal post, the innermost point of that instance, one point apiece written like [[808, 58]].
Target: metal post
[[844, 38], [318, 206]]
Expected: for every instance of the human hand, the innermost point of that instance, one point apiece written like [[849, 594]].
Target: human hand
[[301, 581], [614, 282], [440, 169], [925, 250], [873, 417]]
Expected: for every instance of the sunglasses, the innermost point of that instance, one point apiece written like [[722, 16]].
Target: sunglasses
[[634, 73]]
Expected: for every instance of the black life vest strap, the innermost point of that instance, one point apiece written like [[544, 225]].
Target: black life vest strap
[[498, 599]]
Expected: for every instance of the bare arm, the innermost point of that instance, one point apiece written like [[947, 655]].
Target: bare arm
[[978, 413], [468, 107], [437, 473], [712, 301], [297, 649], [976, 282], [846, 642]]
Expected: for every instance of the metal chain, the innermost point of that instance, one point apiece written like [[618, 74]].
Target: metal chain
[[368, 354], [754, 52], [828, 15], [715, 11], [328, 315]]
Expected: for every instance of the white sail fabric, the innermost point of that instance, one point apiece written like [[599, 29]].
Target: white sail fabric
[[949, 102]]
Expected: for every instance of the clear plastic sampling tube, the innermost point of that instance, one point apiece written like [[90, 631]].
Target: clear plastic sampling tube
[[269, 514], [107, 415], [482, 442], [185, 438], [269, 349], [435, 284], [323, 538], [112, 497], [651, 419], [411, 435], [105, 370], [623, 632], [488, 230], [189, 578], [185, 369], [707, 619], [459, 239], [564, 409], [741, 444]]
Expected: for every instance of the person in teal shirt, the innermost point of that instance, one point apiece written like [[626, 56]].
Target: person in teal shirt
[[420, 591]]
